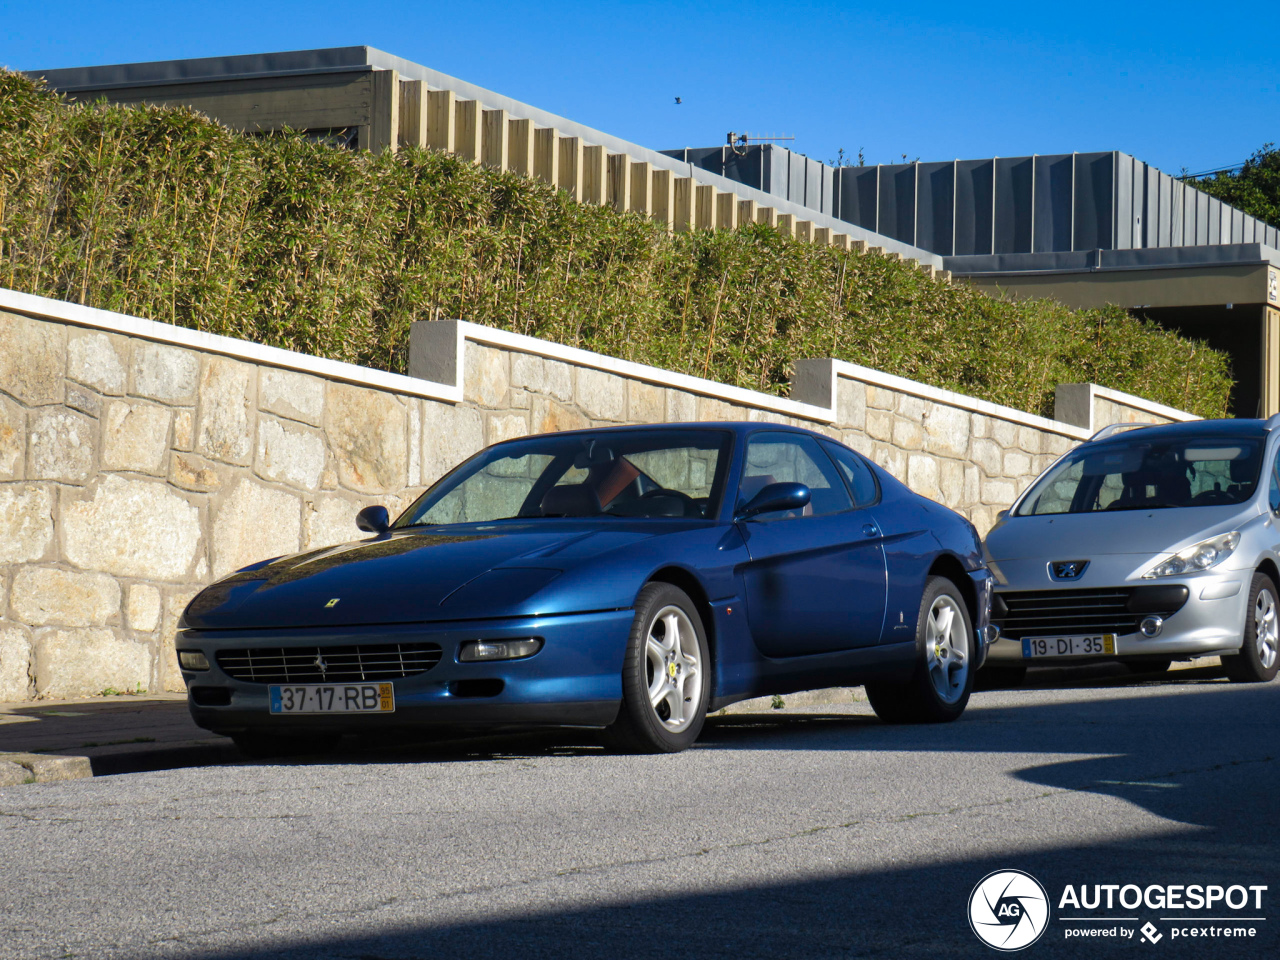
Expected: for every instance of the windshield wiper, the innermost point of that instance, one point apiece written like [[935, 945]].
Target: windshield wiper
[[1141, 506]]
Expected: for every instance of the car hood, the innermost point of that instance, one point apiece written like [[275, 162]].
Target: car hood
[[406, 577], [1072, 536]]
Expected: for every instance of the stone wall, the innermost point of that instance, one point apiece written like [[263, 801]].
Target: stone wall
[[139, 461]]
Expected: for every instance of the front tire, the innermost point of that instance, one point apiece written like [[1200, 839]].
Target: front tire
[[940, 686], [1257, 660], [666, 675]]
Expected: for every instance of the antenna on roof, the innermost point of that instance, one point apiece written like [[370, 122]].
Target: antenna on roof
[[738, 142]]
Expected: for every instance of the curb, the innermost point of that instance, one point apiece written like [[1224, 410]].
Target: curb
[[19, 768]]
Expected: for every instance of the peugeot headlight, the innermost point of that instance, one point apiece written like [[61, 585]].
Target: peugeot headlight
[[1197, 557]]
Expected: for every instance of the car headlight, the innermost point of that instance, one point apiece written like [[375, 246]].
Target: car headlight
[[1197, 557]]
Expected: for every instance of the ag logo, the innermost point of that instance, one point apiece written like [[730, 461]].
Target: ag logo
[[1008, 910]]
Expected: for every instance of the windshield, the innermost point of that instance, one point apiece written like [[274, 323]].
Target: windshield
[[1133, 475], [634, 473]]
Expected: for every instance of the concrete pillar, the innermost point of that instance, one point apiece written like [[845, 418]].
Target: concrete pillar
[[384, 128], [746, 211], [442, 120], [767, 216], [413, 113], [683, 214], [1270, 362], [493, 139], [726, 211], [577, 170], [704, 206], [594, 168], [466, 132], [662, 199], [641, 182], [546, 155], [618, 189], [520, 147], [573, 168]]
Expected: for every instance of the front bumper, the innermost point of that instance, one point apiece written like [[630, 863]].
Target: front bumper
[[574, 680], [1210, 622]]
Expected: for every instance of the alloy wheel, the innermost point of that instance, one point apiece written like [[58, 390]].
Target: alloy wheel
[[674, 668], [947, 649], [1265, 628]]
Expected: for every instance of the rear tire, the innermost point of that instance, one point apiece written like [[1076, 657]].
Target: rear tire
[[666, 675], [940, 686], [1257, 660], [258, 745]]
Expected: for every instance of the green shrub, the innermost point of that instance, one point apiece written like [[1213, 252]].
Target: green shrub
[[163, 214]]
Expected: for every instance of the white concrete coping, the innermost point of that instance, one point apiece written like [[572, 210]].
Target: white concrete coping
[[491, 336], [1142, 404], [817, 378], [74, 313], [813, 388]]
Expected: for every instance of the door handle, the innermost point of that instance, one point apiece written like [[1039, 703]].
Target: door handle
[[870, 530]]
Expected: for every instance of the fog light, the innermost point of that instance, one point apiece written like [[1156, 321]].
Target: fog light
[[993, 633], [192, 660], [474, 650], [1151, 626]]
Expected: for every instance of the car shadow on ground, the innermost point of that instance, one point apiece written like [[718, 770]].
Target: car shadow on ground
[[1135, 746], [1220, 832]]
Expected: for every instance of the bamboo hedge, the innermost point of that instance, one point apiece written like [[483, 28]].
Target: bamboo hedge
[[163, 214]]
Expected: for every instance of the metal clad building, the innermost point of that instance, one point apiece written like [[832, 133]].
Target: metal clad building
[[1088, 229]]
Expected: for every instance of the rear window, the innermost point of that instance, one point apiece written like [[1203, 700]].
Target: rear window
[[1137, 475]]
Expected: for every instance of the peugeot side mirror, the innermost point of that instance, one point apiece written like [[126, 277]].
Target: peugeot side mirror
[[776, 496], [1001, 515], [374, 519]]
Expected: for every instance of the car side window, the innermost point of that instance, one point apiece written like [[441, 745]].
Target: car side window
[[862, 481], [792, 458], [1274, 494]]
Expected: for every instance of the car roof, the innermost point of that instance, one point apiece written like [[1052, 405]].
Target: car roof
[[1242, 429], [739, 427]]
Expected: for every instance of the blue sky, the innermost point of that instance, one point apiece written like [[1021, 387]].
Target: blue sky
[[1177, 85]]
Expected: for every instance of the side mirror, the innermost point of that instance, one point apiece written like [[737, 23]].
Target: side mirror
[[374, 519], [1001, 515], [776, 496]]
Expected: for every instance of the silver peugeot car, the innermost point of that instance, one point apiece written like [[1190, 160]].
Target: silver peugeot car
[[1147, 544]]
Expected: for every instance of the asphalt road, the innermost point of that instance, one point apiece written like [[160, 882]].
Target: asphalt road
[[813, 832]]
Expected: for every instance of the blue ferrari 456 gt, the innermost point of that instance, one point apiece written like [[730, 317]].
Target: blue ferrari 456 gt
[[630, 579]]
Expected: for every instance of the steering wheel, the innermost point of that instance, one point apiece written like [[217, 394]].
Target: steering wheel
[[688, 502]]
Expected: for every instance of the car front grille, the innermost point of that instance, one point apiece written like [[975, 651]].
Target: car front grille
[[388, 661], [1056, 613]]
